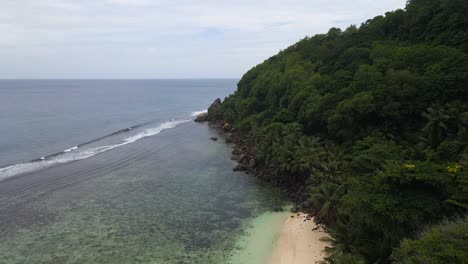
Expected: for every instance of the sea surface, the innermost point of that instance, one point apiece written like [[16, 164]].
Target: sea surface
[[116, 171]]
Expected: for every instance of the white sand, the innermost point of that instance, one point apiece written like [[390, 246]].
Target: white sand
[[298, 243]]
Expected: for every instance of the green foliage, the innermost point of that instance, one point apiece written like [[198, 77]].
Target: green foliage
[[372, 119], [325, 198], [345, 259], [371, 153], [443, 243]]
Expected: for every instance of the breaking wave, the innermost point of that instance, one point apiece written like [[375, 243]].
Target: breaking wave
[[79, 153], [195, 113]]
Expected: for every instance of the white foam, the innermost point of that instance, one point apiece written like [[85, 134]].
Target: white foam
[[154, 131], [70, 149], [195, 113], [70, 156]]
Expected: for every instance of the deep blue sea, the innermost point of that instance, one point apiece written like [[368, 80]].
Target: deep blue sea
[[44, 118], [116, 171]]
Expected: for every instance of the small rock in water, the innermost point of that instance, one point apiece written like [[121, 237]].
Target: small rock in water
[[238, 168], [214, 138]]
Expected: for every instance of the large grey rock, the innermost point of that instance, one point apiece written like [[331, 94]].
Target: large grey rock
[[213, 110], [202, 117], [236, 151], [241, 158]]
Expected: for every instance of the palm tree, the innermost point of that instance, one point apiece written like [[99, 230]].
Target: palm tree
[[341, 239], [325, 199], [306, 154], [343, 259], [330, 164], [459, 119], [436, 127]]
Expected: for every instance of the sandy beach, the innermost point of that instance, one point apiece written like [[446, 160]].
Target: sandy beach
[[299, 242]]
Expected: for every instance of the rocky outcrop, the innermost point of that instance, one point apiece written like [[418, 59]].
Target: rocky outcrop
[[229, 138], [244, 154], [213, 113], [202, 117], [214, 110]]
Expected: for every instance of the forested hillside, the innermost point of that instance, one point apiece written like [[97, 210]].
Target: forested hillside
[[373, 121]]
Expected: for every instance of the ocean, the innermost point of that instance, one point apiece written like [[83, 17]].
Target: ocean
[[116, 171]]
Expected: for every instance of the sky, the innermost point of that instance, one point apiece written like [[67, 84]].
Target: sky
[[131, 39]]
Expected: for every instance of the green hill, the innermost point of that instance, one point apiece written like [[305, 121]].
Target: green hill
[[372, 120]]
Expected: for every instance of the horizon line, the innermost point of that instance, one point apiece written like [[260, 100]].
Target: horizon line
[[104, 79]]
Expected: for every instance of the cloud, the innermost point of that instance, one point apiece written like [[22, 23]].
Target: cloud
[[137, 3], [178, 38]]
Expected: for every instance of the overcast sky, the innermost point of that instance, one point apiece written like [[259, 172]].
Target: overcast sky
[[162, 39]]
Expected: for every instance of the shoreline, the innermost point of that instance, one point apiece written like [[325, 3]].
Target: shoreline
[[281, 238], [296, 237], [299, 241], [256, 244]]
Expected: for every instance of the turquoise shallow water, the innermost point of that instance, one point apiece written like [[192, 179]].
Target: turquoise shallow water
[[167, 198], [258, 239]]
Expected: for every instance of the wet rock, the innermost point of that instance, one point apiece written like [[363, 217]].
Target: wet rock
[[227, 127], [201, 117], [229, 138], [252, 163], [214, 138], [239, 167], [241, 158]]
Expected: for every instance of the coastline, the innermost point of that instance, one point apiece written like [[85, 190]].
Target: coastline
[[275, 238], [281, 238], [259, 239], [125, 206], [299, 241]]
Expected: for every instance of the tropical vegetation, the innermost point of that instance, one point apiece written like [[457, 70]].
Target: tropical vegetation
[[373, 121]]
